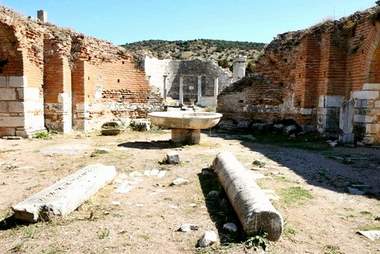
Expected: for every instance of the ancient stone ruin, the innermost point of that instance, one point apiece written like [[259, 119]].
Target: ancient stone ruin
[[64, 80], [191, 81], [326, 78]]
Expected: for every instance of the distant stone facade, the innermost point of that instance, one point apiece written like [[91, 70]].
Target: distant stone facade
[[187, 81], [62, 80], [326, 78]]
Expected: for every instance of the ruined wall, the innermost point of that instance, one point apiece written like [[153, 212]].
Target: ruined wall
[[317, 71], [172, 70], [58, 78], [115, 90]]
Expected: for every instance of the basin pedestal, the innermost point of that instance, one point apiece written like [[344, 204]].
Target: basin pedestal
[[186, 136]]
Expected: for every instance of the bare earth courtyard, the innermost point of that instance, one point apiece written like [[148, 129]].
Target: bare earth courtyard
[[319, 193]]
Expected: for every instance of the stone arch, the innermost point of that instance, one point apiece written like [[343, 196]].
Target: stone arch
[[11, 59]]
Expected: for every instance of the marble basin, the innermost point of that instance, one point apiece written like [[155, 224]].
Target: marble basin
[[185, 125]]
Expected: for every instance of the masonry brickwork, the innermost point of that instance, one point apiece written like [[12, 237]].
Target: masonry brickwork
[[59, 79], [309, 76]]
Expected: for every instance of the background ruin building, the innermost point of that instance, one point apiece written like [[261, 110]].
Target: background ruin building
[[191, 81], [326, 78], [61, 79]]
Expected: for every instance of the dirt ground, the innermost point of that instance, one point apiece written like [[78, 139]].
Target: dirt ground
[[325, 195]]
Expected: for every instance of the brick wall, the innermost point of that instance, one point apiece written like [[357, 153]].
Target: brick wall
[[309, 74]]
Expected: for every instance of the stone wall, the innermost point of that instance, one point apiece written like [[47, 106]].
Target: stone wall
[[165, 75], [311, 74], [60, 79]]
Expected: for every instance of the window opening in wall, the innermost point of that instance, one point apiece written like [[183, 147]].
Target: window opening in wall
[[118, 81], [88, 78], [241, 101], [122, 62]]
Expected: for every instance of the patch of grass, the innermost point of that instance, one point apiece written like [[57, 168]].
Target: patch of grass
[[331, 249], [370, 227], [145, 237], [17, 248], [103, 233], [52, 250], [295, 195], [289, 231], [42, 135], [29, 232]]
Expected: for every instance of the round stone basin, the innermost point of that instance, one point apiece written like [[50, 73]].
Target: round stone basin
[[185, 126]]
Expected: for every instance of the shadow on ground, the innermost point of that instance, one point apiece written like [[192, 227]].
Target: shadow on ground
[[219, 208], [10, 223], [147, 145], [318, 163]]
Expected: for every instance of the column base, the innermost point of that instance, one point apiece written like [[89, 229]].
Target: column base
[[186, 136]]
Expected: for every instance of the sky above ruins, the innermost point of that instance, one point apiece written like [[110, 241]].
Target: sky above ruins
[[123, 21]]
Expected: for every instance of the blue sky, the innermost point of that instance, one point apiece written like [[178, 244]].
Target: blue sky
[[123, 21]]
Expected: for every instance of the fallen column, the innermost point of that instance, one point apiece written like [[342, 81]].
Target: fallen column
[[253, 208], [66, 195]]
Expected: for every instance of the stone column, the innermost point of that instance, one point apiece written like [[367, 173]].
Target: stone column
[[199, 90], [164, 91], [181, 90], [216, 89]]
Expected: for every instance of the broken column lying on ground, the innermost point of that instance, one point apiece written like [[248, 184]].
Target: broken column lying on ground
[[253, 208], [66, 195]]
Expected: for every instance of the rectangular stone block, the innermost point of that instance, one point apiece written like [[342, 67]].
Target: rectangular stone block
[[17, 81], [364, 119], [371, 86], [377, 104], [9, 121], [361, 103], [3, 81], [7, 94], [20, 93], [7, 132], [3, 107], [330, 101], [15, 106], [372, 128], [365, 95]]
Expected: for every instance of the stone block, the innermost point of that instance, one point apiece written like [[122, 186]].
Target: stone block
[[365, 95], [7, 132], [3, 81], [172, 158], [17, 81], [9, 121], [377, 104], [329, 101], [371, 86], [16, 106], [363, 119], [3, 106], [7, 94], [372, 128], [360, 103], [20, 93]]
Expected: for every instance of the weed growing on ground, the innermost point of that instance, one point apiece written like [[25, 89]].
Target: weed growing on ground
[[42, 135], [295, 195], [289, 231], [331, 249], [258, 241], [103, 233]]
